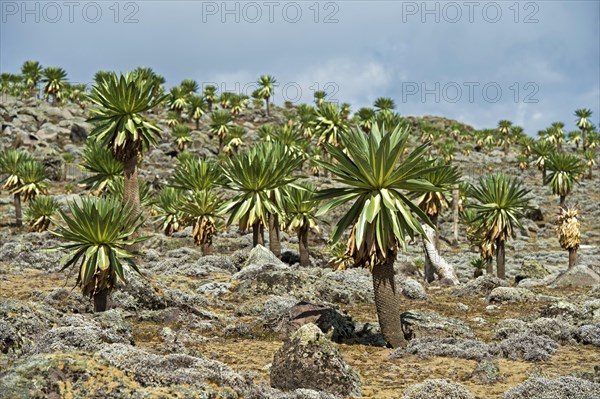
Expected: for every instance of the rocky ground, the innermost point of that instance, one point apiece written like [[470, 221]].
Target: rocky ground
[[241, 323]]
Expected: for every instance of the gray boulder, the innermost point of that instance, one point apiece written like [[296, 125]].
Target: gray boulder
[[511, 295], [309, 360], [437, 389], [487, 371], [579, 276], [428, 347], [432, 324], [481, 286], [260, 256], [588, 334], [563, 388]]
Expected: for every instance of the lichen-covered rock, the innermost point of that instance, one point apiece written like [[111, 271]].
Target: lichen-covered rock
[[412, 289], [533, 348], [481, 286], [309, 360], [437, 389], [588, 334], [509, 327], [487, 371], [22, 322], [260, 256], [578, 276], [563, 388], [511, 294], [432, 324], [60, 375], [531, 269], [564, 310], [447, 347], [155, 370]]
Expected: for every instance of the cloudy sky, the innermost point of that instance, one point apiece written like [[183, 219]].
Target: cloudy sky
[[532, 62]]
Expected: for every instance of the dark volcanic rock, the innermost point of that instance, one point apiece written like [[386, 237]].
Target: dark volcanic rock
[[309, 360]]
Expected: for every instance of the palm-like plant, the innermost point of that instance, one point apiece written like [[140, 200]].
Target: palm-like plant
[[564, 170], [144, 191], [541, 150], [189, 87], [235, 140], [196, 109], [168, 213], [590, 155], [40, 211], [319, 97], [33, 180], [306, 117], [556, 135], [32, 72], [10, 164], [221, 122], [300, 206], [55, 80], [523, 161], [253, 174], [373, 175], [575, 137], [583, 123], [181, 134], [202, 208], [266, 85], [121, 126], [172, 119], [329, 124], [504, 128], [77, 95], [196, 175], [526, 143], [210, 94], [105, 169], [364, 118], [569, 235], [501, 201], [383, 104], [178, 99], [99, 232]]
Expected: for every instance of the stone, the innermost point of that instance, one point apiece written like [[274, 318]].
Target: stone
[[412, 289], [428, 347], [511, 294], [260, 256], [432, 324], [579, 276], [531, 269], [309, 360], [437, 389], [563, 387], [79, 132], [588, 334], [481, 286]]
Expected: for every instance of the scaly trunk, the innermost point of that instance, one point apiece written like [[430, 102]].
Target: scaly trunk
[[387, 301], [572, 257], [506, 148], [544, 175], [562, 201], [197, 124], [274, 243], [500, 258], [590, 172], [257, 236], [489, 266], [455, 214], [18, 210], [101, 301], [584, 139], [303, 246], [207, 249], [268, 107], [131, 189]]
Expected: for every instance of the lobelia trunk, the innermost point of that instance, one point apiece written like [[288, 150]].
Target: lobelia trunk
[[207, 249], [303, 246], [387, 301], [572, 257], [455, 214], [274, 243], [131, 189], [101, 301], [18, 210], [257, 234], [562, 201], [489, 266], [268, 107], [500, 258], [435, 262]]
